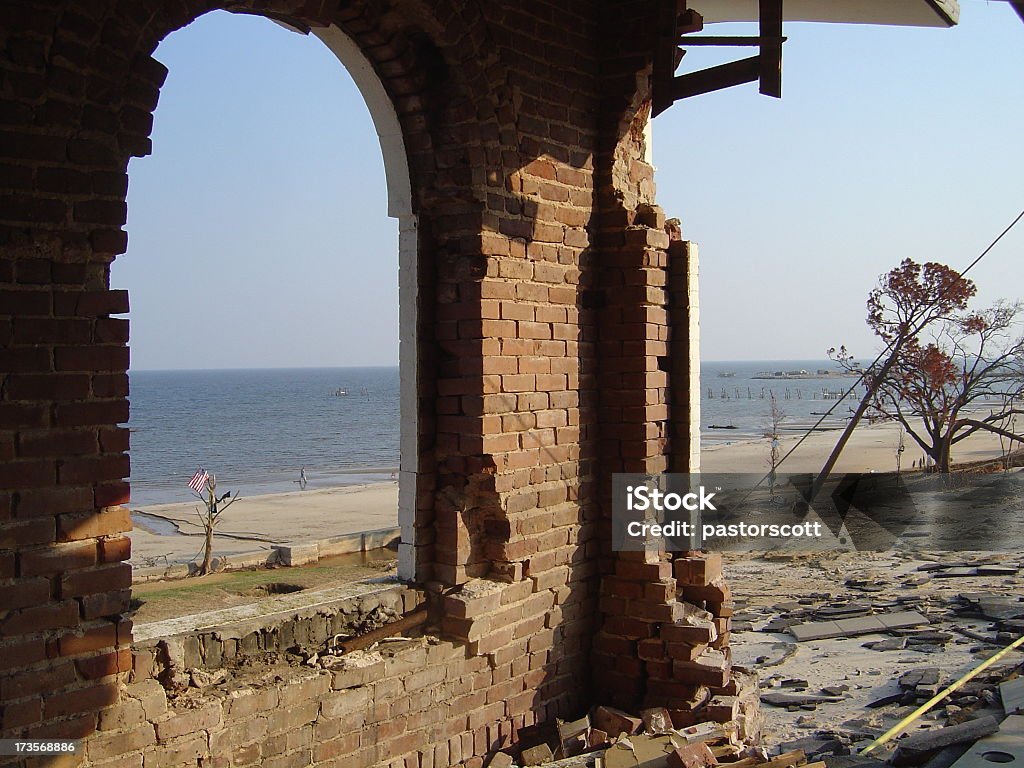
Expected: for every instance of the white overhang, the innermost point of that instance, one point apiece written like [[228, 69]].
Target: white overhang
[[908, 13]]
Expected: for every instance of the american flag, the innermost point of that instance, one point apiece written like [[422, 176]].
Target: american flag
[[199, 480]]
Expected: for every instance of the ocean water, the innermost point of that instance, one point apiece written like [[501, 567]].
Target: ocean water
[[742, 400], [256, 429]]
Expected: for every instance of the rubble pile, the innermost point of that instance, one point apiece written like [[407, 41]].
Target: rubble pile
[[653, 738], [847, 647]]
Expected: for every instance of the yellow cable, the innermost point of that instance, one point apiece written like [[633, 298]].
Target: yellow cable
[[939, 697]]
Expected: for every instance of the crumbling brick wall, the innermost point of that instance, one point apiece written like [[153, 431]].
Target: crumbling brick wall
[[545, 359]]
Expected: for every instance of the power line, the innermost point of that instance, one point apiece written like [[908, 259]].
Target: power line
[[881, 354]]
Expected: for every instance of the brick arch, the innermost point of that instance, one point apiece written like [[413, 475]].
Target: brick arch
[[542, 331], [92, 86], [430, 96]]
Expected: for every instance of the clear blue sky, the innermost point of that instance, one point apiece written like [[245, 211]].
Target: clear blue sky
[[258, 234]]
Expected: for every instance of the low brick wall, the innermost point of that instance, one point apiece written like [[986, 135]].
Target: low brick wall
[[303, 621], [415, 703], [424, 701]]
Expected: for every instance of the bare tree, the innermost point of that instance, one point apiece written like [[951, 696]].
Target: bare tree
[[907, 300], [944, 361], [209, 517], [937, 389], [1008, 421], [772, 431]]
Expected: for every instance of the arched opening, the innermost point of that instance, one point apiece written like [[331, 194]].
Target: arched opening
[[280, 257]]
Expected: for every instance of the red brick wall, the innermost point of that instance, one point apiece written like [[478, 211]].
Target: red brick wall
[[544, 338]]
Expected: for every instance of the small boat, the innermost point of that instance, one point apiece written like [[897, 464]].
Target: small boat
[[339, 392], [721, 426]]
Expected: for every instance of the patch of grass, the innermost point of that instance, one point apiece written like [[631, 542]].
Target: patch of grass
[[169, 599]]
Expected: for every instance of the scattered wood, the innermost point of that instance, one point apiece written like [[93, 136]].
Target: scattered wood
[[778, 699], [1006, 746], [404, 624], [915, 749]]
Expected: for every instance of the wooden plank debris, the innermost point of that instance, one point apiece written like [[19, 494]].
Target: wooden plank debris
[[778, 699], [404, 624], [916, 748], [1006, 746]]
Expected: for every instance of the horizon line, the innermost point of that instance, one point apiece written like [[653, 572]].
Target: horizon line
[[396, 365]]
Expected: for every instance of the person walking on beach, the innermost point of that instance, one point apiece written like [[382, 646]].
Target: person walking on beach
[[302, 479]]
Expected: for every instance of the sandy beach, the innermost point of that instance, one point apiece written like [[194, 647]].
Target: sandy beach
[[255, 523], [258, 522], [871, 447]]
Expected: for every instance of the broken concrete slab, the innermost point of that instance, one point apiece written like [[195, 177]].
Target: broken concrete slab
[[1012, 694], [794, 682], [915, 749], [997, 570], [1006, 746], [996, 607], [901, 620], [880, 622], [926, 677], [955, 572], [929, 637], [890, 644], [835, 690], [843, 611], [297, 554], [815, 630]]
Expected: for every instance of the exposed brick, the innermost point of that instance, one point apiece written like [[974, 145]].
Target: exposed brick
[[28, 533], [24, 592], [109, 521], [96, 580], [80, 700], [37, 681], [18, 714], [115, 550], [90, 469], [22, 653], [25, 302], [95, 413], [57, 559], [95, 639], [40, 618]]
